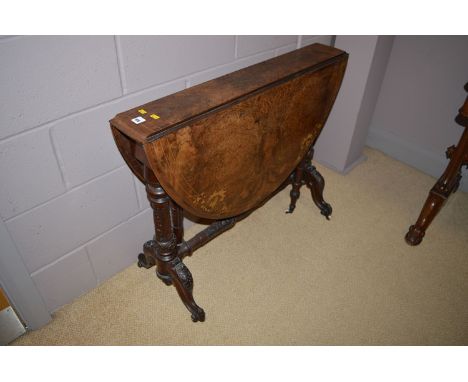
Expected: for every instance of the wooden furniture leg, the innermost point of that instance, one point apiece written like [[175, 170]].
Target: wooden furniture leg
[[168, 247], [178, 222], [447, 183], [316, 183], [163, 251], [297, 182], [307, 174]]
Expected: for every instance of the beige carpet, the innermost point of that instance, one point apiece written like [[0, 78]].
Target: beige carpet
[[278, 279]]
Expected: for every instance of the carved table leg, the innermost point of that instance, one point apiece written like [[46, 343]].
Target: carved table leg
[[431, 208], [168, 229], [178, 222], [316, 183], [147, 259], [445, 186], [297, 182], [183, 282], [306, 173], [447, 183]]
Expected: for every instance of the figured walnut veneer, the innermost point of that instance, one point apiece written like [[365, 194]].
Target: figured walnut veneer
[[230, 161], [258, 134]]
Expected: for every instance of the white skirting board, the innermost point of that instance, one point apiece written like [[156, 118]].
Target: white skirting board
[[412, 155]]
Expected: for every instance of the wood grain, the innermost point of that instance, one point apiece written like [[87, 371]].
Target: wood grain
[[178, 108], [229, 161]]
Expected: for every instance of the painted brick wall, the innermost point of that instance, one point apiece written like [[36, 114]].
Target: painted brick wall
[[76, 214]]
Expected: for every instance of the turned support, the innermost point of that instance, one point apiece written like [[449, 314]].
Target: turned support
[[446, 185], [162, 251], [214, 229], [297, 182], [168, 248]]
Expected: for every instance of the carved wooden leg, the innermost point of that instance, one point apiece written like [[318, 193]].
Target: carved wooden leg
[[445, 186], [314, 180], [147, 259], [178, 222], [170, 268], [297, 181], [431, 208], [183, 282], [447, 183]]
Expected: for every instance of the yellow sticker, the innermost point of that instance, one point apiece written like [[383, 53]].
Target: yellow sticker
[[142, 111], [154, 116]]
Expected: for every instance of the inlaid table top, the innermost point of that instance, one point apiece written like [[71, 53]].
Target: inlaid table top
[[179, 108], [222, 147]]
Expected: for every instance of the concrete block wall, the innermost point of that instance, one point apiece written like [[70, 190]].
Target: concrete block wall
[[74, 211]]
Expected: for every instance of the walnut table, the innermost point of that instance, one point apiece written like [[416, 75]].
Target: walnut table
[[220, 149]]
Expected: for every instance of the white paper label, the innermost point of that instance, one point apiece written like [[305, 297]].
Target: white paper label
[[138, 120]]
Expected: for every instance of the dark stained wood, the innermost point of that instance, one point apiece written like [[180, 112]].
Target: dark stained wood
[[188, 104], [132, 152], [170, 268], [259, 140], [306, 173], [447, 184], [222, 148], [200, 239]]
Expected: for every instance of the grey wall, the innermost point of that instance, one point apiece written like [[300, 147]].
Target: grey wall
[[74, 212], [16, 281], [420, 96], [341, 144]]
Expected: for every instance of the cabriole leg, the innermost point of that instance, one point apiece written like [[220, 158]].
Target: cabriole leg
[[297, 181], [183, 282], [314, 180]]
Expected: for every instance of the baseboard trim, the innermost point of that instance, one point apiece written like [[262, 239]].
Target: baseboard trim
[[411, 154], [344, 171]]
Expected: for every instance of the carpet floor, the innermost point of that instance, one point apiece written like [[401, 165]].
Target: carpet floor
[[281, 279]]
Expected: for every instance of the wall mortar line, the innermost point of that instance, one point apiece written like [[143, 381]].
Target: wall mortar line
[[58, 158], [127, 95], [64, 193], [91, 265], [120, 65], [88, 242], [87, 109], [26, 269]]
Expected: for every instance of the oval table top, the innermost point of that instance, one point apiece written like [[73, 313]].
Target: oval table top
[[241, 137]]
